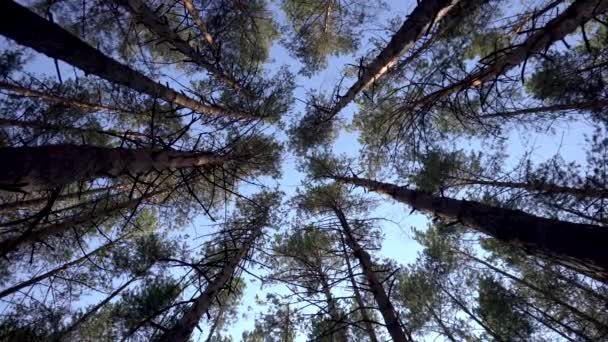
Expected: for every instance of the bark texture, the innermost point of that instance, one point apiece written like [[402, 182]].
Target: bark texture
[[415, 26], [578, 246], [393, 325], [29, 29], [50, 166]]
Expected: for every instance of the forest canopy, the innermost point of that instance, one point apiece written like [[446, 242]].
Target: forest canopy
[[303, 170]]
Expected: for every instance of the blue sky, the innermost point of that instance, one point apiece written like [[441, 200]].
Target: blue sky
[[568, 140]]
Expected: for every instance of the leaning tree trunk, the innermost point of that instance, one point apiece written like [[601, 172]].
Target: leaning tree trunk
[[577, 14], [71, 102], [202, 27], [160, 27], [32, 235], [539, 186], [415, 26], [579, 246], [358, 298], [398, 332], [46, 275], [338, 331], [43, 126], [537, 111], [52, 166], [182, 330], [29, 29], [10, 206]]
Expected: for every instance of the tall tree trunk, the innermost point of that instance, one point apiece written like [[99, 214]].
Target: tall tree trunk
[[182, 330], [398, 332], [576, 106], [10, 206], [469, 313], [50, 166], [579, 246], [31, 236], [599, 325], [27, 28], [43, 126], [358, 298], [158, 26], [75, 324], [75, 103], [577, 14], [338, 330], [540, 186], [216, 323], [202, 27], [415, 26], [46, 275]]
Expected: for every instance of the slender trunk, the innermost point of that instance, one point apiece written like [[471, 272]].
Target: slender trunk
[[160, 27], [93, 310], [444, 328], [50, 166], [31, 236], [541, 186], [544, 322], [57, 270], [202, 27], [469, 313], [577, 106], [415, 26], [10, 206], [358, 298], [216, 322], [43, 126], [182, 330], [579, 246], [577, 14], [28, 29], [338, 329], [75, 103], [398, 332], [287, 327], [599, 325]]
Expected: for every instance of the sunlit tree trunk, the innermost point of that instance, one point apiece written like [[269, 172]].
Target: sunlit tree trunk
[[577, 14], [417, 23], [28, 29], [27, 168], [200, 23], [579, 246], [394, 327]]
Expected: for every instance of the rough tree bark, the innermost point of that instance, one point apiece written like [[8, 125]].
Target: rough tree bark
[[28, 29], [398, 332], [51, 166], [579, 246]]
